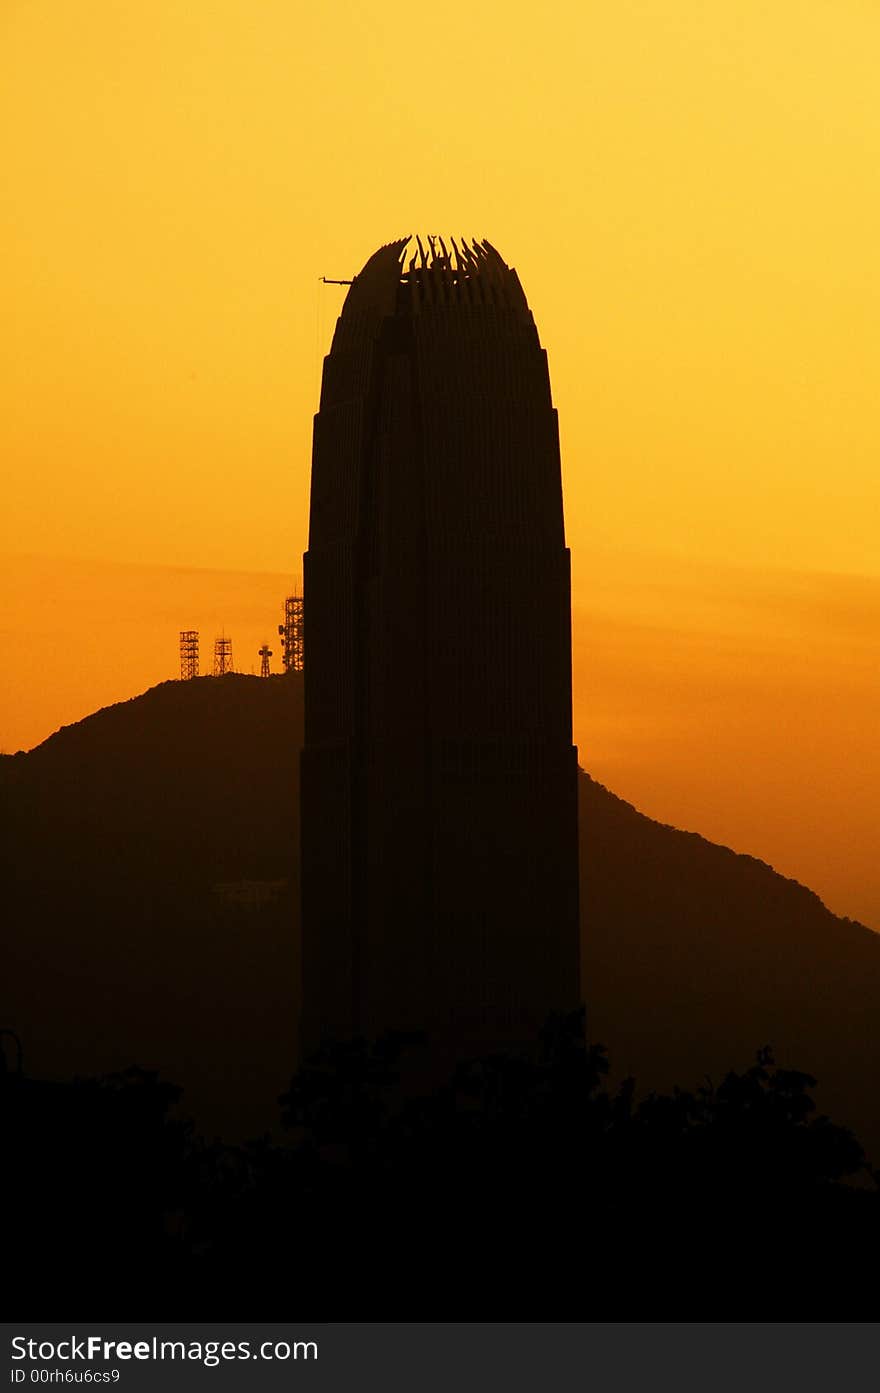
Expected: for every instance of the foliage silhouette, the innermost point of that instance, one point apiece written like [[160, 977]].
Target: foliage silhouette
[[521, 1187]]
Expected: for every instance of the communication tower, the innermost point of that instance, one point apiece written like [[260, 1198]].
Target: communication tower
[[189, 654], [222, 656], [265, 655], [292, 635]]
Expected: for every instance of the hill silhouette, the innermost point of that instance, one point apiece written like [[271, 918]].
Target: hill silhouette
[[150, 869]]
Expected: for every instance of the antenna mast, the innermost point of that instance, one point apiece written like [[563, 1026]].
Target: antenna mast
[[292, 633], [222, 656], [189, 654]]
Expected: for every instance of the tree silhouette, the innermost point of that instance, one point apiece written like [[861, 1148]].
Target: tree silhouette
[[522, 1185]]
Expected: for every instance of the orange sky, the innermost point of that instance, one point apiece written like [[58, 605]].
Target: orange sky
[[688, 192]]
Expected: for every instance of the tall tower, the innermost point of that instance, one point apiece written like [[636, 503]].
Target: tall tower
[[439, 780], [189, 654], [265, 655]]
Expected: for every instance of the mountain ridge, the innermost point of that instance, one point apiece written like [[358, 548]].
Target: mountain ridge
[[129, 831]]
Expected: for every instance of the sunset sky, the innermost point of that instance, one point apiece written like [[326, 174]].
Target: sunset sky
[[689, 193]]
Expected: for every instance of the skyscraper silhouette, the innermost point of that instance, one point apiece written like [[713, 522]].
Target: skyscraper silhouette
[[439, 781]]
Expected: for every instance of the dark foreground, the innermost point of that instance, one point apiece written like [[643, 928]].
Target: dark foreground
[[149, 858], [525, 1188]]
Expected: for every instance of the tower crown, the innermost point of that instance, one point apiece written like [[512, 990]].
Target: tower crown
[[417, 272]]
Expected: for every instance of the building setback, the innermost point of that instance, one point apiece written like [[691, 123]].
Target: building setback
[[439, 780]]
